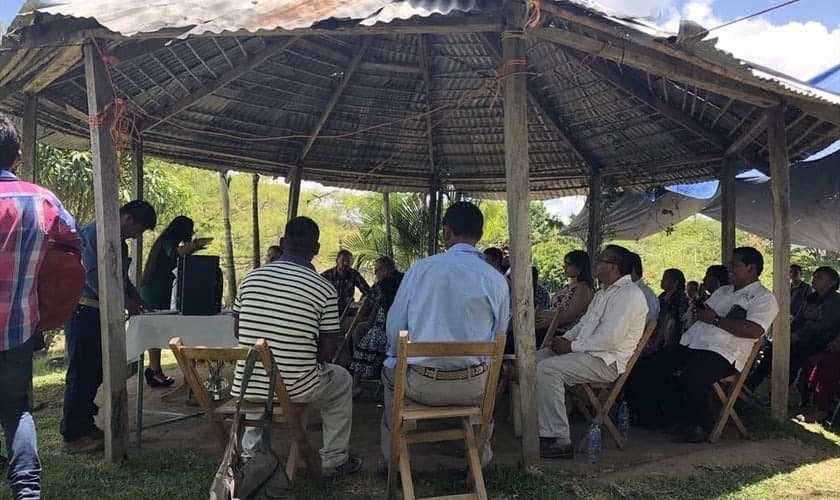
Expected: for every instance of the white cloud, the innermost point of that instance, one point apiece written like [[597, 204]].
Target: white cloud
[[801, 50]]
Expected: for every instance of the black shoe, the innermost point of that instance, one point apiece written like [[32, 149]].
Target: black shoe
[[553, 449], [157, 379]]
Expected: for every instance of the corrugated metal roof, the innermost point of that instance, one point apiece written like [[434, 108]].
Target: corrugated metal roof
[[583, 109]]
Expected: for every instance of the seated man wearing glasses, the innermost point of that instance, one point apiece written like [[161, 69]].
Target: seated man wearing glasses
[[594, 350]]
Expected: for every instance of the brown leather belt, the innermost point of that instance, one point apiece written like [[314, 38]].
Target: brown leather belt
[[437, 374], [89, 302]]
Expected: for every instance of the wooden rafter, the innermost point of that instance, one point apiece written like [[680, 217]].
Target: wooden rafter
[[747, 137], [352, 66], [255, 60], [634, 56], [423, 59], [538, 102], [638, 92]]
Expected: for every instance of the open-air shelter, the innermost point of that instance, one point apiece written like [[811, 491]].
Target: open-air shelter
[[481, 97]]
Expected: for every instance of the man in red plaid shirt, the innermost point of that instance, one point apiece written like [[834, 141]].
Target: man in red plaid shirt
[[30, 217]]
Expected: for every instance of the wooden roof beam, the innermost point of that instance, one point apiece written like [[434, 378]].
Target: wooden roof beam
[[342, 59], [537, 101], [352, 66], [675, 69], [271, 50], [747, 137], [640, 93], [423, 59]]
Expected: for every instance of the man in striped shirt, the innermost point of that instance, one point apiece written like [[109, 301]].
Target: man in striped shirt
[[30, 217], [295, 310]]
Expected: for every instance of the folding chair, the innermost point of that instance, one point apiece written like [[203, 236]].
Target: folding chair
[[602, 411], [734, 384], [362, 320], [407, 414], [552, 329], [292, 414]]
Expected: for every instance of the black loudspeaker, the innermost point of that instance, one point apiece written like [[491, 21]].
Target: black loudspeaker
[[199, 285]]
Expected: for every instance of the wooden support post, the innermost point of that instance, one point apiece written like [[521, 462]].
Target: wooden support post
[[433, 219], [255, 218], [727, 204], [780, 186], [386, 215], [106, 182], [438, 216], [29, 134], [137, 179], [294, 193], [593, 239], [519, 218], [230, 267]]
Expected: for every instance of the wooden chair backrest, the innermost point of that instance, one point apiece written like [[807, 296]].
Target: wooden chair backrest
[[650, 326], [741, 377], [352, 306], [407, 349]]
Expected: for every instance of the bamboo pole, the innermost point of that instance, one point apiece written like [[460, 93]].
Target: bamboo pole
[[519, 217], [780, 186], [593, 238], [106, 183], [137, 193], [29, 132], [386, 213], [255, 218], [727, 210], [230, 268], [294, 193]]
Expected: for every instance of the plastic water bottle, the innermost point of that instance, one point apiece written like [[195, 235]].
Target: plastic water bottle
[[624, 419], [595, 442]]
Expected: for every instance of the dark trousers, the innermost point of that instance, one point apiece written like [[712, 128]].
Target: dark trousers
[[658, 396], [84, 372]]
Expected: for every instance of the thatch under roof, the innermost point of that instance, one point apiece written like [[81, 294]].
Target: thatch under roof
[[388, 95]]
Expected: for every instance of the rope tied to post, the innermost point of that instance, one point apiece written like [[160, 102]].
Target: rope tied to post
[[118, 115]]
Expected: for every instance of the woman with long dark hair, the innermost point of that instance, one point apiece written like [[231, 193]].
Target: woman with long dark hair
[[571, 301], [175, 241], [673, 304]]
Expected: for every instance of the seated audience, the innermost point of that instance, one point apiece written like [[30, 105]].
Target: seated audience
[[296, 311], [273, 253], [369, 352], [542, 299], [449, 297], [345, 279], [811, 330], [595, 350], [820, 379], [716, 276], [692, 290], [493, 256], [571, 301], [673, 304], [650, 297], [717, 345], [799, 289]]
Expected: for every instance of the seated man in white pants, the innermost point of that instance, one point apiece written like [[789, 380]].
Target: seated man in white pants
[[594, 350]]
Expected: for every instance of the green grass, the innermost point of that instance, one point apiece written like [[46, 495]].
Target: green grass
[[181, 474]]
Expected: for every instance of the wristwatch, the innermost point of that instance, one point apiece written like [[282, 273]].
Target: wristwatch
[[716, 321]]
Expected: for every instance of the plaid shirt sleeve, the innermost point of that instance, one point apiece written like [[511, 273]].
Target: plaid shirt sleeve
[[59, 224]]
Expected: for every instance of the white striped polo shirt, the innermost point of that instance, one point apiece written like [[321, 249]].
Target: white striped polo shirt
[[290, 306]]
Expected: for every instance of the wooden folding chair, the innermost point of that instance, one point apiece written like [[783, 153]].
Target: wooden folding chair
[[734, 385], [602, 411], [406, 414], [552, 329], [291, 414], [362, 320]]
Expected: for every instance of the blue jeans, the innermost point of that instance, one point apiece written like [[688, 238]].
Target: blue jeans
[[84, 372], [21, 441]]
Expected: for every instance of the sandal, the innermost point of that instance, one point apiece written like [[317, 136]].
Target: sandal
[[157, 379], [351, 466]]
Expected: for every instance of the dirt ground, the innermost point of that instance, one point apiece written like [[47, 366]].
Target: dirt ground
[[648, 452]]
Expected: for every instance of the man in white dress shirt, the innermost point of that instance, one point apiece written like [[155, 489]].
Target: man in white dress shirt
[[650, 297], [594, 350], [717, 345]]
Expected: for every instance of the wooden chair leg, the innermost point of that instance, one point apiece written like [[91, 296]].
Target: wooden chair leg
[[301, 446], [723, 416], [474, 460], [405, 471], [395, 460]]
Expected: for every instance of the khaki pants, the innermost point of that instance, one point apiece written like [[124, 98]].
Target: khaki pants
[[334, 399], [431, 392], [554, 373]]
